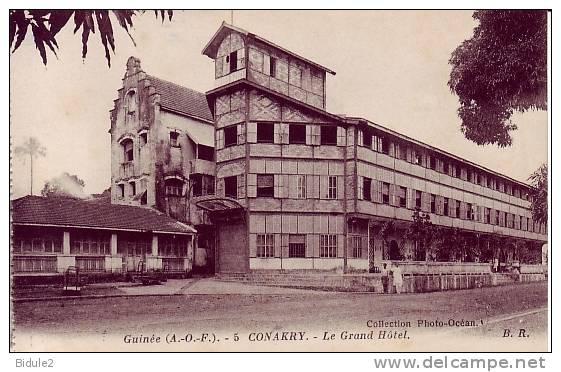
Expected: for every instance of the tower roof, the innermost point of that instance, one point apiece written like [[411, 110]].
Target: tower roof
[[211, 47]]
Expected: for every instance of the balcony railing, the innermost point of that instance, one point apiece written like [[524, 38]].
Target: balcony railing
[[126, 169], [35, 264], [90, 264], [173, 263]]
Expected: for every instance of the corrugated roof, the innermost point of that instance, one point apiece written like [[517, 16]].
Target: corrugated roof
[[181, 99], [39, 210]]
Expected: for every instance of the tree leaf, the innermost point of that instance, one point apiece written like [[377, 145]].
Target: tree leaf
[[58, 19], [85, 37]]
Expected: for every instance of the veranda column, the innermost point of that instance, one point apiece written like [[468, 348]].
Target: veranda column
[[112, 262], [66, 243], [155, 245], [65, 260]]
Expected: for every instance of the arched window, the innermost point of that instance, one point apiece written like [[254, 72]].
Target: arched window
[[174, 187], [127, 149], [131, 102]]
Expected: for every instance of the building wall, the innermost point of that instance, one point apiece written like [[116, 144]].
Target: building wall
[[299, 205], [155, 158], [55, 249]]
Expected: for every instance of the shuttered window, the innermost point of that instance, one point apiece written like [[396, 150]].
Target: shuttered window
[[297, 245], [328, 245], [265, 245], [265, 185]]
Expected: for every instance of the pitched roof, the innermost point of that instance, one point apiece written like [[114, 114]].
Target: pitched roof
[[39, 210], [211, 47], [181, 99]]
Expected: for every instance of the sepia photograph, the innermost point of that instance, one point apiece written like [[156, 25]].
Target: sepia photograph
[[279, 180]]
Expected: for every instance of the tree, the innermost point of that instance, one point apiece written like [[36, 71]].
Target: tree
[[46, 24], [423, 232], [386, 230], [500, 70], [65, 185], [32, 148], [538, 194]]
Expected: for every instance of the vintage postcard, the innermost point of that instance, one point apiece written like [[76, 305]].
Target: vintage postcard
[[233, 180]]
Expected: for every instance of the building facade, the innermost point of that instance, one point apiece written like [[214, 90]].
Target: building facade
[[51, 234], [312, 190], [162, 150]]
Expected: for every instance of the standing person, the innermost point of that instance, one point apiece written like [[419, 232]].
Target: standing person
[[397, 278], [496, 264], [385, 278]]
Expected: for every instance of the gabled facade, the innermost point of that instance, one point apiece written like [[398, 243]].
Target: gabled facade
[[162, 150], [162, 145]]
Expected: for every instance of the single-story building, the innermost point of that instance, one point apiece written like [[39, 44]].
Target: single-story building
[[49, 235]]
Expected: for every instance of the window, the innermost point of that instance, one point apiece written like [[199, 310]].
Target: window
[[265, 185], [385, 146], [265, 132], [328, 246], [296, 134], [328, 135], [273, 66], [265, 245], [458, 209], [120, 191], [174, 139], [446, 206], [445, 167], [202, 184], [143, 138], [402, 195], [385, 193], [233, 59], [301, 186], [128, 150], [231, 136], [296, 245], [432, 162], [367, 139], [174, 187], [418, 199], [231, 187], [487, 217], [91, 242], [131, 102], [37, 240], [366, 188], [469, 212], [205, 152], [453, 171], [432, 203], [332, 187], [417, 158], [170, 246], [356, 246], [378, 143], [133, 188]]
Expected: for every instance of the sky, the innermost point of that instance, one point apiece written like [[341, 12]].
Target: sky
[[392, 68]]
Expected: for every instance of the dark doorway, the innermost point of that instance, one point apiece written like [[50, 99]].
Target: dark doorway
[[394, 251]]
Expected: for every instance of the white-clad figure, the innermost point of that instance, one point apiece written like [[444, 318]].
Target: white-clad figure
[[397, 277]]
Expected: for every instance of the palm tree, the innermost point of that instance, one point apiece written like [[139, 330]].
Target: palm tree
[[33, 148]]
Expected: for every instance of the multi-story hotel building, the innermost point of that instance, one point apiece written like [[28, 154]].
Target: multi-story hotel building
[[307, 189], [298, 187]]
